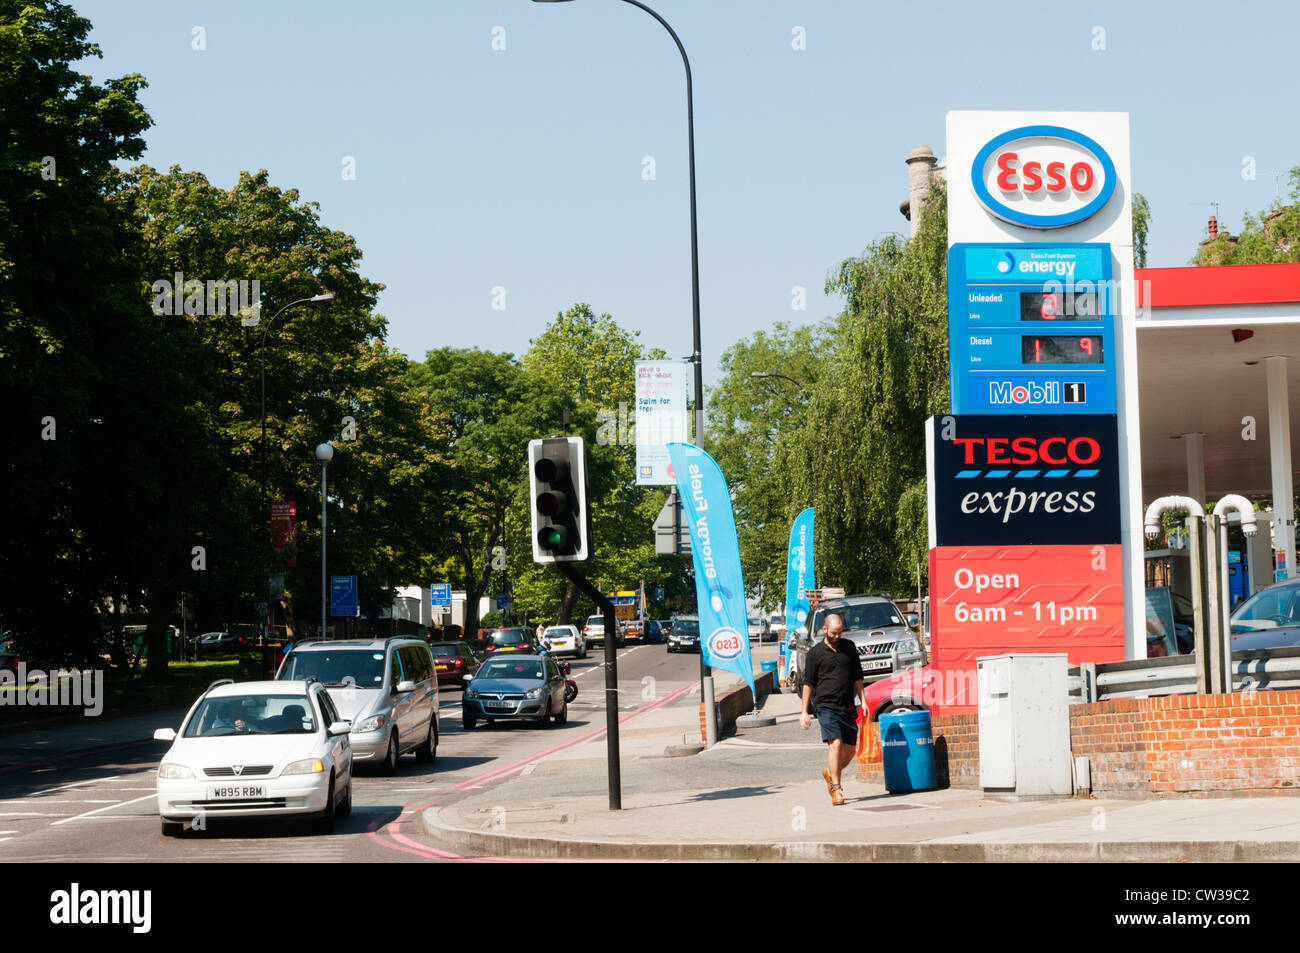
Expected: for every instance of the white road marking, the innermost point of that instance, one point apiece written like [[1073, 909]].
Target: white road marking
[[98, 809], [529, 768], [73, 784], [30, 814]]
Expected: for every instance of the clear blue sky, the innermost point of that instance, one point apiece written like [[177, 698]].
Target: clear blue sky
[[522, 167]]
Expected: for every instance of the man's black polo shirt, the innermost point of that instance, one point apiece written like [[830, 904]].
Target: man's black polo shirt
[[832, 672]]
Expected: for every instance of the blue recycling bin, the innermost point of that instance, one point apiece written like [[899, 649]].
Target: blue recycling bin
[[771, 666], [907, 745]]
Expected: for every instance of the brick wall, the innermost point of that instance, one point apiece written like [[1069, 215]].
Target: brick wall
[[1196, 745]]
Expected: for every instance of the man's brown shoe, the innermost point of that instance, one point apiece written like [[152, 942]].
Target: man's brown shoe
[[837, 795], [829, 783]]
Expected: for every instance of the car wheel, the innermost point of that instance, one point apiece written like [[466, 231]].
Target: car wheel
[[345, 807], [563, 716], [468, 722], [172, 828], [389, 765], [429, 750], [324, 823]]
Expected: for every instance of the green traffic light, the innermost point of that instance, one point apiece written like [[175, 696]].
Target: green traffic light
[[551, 537]]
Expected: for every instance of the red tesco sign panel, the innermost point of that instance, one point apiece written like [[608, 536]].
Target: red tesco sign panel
[[990, 600]]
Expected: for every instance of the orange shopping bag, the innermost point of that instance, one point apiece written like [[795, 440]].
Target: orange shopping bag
[[869, 750]]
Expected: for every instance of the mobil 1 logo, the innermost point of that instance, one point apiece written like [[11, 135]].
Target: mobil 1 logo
[[1024, 479]]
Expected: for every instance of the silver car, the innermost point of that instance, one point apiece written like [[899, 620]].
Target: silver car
[[876, 629], [387, 688]]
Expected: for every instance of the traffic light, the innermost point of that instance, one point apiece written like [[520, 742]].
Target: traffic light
[[557, 473]]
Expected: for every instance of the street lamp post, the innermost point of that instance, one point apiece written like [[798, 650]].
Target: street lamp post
[[324, 453], [265, 328], [706, 678]]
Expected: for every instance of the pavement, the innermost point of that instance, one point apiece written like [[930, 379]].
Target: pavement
[[759, 795]]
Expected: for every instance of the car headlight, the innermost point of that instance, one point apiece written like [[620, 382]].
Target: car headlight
[[306, 766], [174, 772], [471, 692], [535, 693], [908, 647], [373, 723]]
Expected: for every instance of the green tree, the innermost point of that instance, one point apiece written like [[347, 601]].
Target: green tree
[[489, 407], [860, 456], [1271, 236], [1141, 225], [72, 342], [752, 423], [591, 360]]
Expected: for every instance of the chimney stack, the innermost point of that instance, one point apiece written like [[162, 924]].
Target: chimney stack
[[1214, 227]]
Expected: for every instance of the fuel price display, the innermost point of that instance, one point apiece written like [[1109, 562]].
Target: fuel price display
[[1031, 328]]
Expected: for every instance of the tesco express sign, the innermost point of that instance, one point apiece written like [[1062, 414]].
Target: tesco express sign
[[1043, 176]]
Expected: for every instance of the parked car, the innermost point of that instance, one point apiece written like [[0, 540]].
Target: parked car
[[877, 630], [1270, 619], [685, 634], [776, 626], [453, 661], [564, 640], [511, 640], [387, 688], [218, 643], [516, 687], [594, 632], [758, 628], [256, 749]]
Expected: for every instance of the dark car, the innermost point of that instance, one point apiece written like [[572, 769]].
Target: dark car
[[685, 634], [453, 661], [8, 656], [654, 632], [516, 687], [215, 643], [1270, 619], [511, 640]]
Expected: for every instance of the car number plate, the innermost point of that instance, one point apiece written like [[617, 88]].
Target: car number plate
[[499, 705], [872, 665], [237, 791], [441, 668]]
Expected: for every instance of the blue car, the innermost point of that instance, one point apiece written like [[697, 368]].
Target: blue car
[[516, 687]]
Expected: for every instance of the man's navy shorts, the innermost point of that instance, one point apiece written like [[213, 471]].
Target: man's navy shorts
[[838, 726]]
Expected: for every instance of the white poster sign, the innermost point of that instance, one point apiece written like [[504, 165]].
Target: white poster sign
[[661, 417]]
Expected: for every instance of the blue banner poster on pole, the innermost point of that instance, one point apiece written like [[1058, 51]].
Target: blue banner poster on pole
[[715, 550], [800, 576]]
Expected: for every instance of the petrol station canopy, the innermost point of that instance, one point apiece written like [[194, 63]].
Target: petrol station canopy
[[1205, 339]]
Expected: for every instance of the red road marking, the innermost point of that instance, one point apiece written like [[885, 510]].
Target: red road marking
[[406, 845]]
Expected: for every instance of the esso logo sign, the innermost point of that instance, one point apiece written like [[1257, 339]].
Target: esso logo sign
[[725, 644], [1043, 176], [1026, 451]]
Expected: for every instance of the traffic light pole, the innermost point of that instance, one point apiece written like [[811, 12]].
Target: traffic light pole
[[569, 571]]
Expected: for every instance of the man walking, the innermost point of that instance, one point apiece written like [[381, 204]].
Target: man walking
[[833, 684]]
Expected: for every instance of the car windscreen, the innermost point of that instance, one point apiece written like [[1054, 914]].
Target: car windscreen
[[441, 650], [558, 633], [686, 627], [596, 620], [872, 615], [1275, 608], [252, 715], [501, 668], [363, 668], [508, 637]]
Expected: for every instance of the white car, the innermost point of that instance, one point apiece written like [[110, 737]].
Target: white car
[[256, 749], [564, 640]]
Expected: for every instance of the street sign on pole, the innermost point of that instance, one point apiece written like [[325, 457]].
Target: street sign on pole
[[343, 595], [440, 595]]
